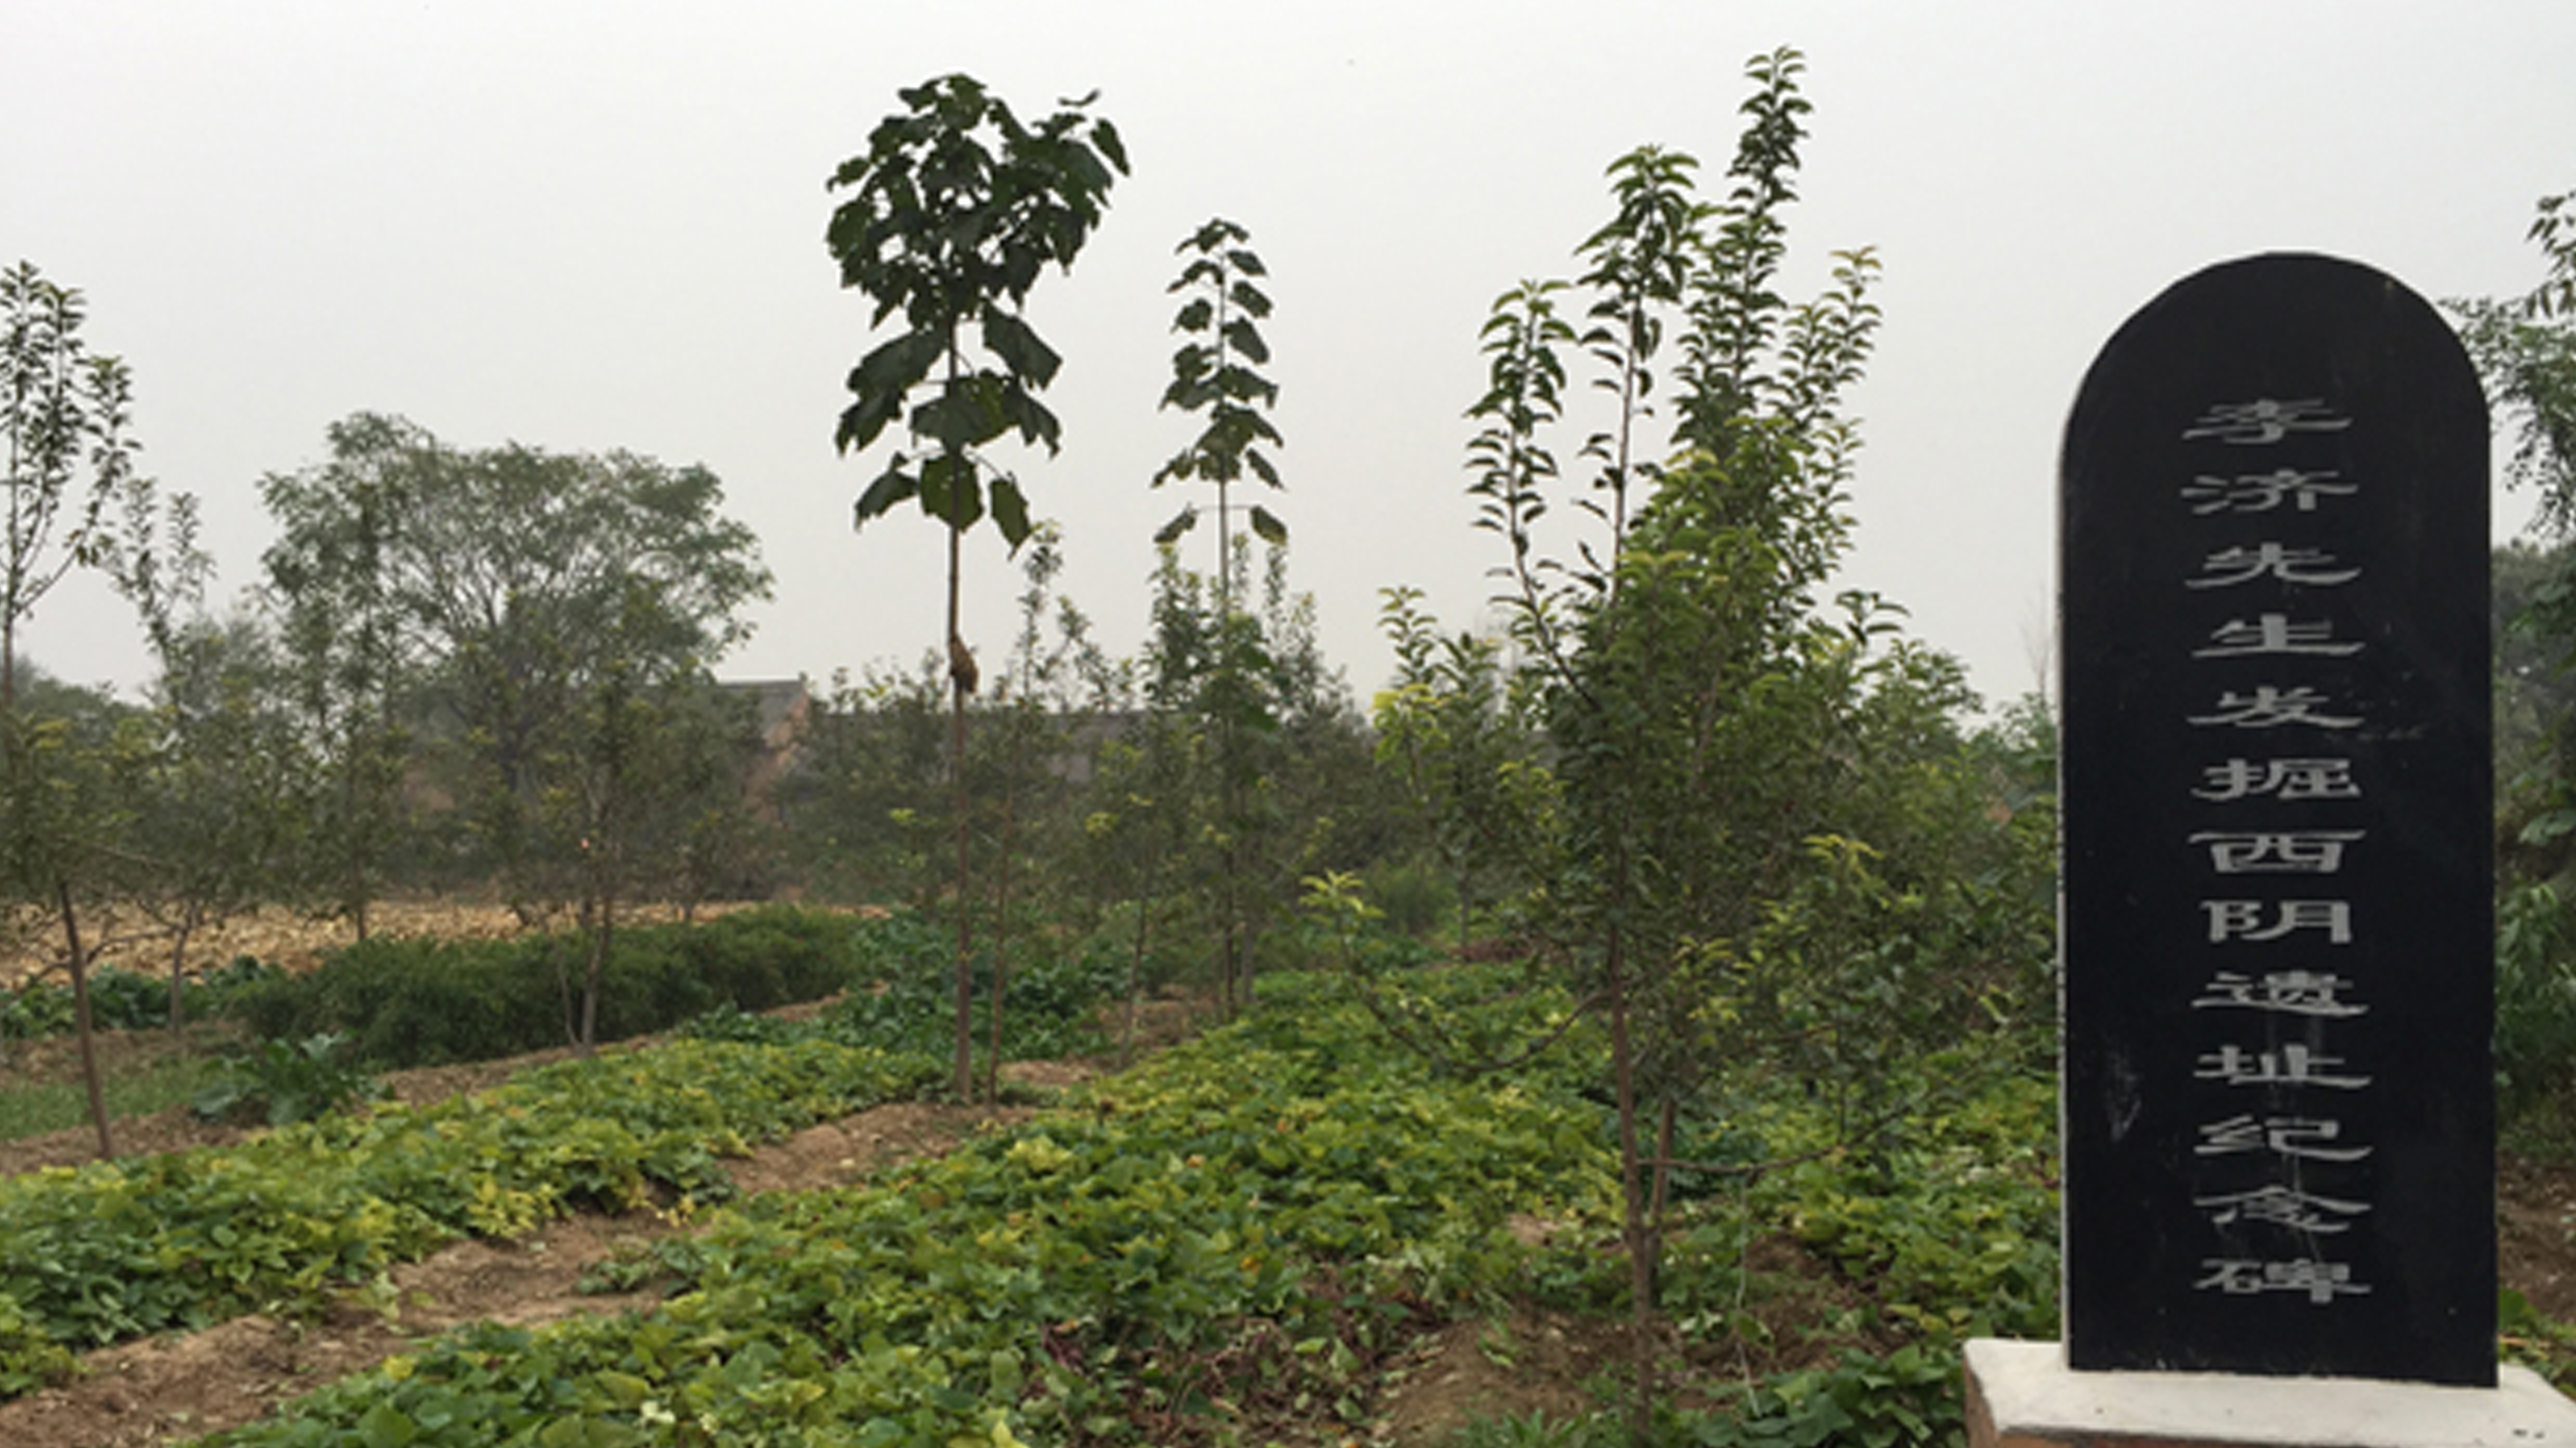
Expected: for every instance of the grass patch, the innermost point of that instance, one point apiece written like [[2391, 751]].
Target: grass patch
[[34, 1109]]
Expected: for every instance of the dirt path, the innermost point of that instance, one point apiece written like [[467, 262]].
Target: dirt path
[[155, 1390]]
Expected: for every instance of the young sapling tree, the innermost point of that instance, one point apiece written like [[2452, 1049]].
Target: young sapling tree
[[955, 208]]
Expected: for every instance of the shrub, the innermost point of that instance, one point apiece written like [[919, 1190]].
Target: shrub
[[1417, 899], [909, 997], [2535, 1000], [420, 1002], [283, 1082]]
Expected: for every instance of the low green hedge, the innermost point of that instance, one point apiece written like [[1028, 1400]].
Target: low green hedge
[[126, 1000], [424, 1002]]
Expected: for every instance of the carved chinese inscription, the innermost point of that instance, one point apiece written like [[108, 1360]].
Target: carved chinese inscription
[[2277, 923]]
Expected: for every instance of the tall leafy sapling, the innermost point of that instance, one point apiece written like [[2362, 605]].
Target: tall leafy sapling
[[216, 794], [1708, 721], [64, 418], [1640, 263], [1213, 373], [1512, 464], [955, 208], [2525, 350]]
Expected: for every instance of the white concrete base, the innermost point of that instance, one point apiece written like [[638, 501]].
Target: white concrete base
[[2022, 1395]]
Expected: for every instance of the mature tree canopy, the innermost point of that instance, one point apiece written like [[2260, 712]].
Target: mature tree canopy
[[486, 600], [507, 577]]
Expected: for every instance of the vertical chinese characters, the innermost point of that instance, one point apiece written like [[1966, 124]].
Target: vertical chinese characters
[[2274, 1181]]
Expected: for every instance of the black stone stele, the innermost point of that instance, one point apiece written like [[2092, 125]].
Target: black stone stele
[[2277, 924]]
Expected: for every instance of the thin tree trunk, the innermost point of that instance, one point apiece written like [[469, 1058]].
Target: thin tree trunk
[[81, 1018], [188, 920], [1001, 945], [600, 941], [571, 1019], [1662, 1192], [1229, 893], [1135, 985], [1641, 1268], [965, 1063]]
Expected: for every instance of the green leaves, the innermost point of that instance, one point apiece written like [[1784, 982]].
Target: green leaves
[[957, 207], [63, 413], [116, 1250], [892, 486], [1013, 341], [1010, 511], [881, 381], [290, 1081], [1213, 372], [1260, 1214], [385, 1426]]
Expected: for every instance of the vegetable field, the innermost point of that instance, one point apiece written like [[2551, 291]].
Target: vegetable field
[[1283, 1230]]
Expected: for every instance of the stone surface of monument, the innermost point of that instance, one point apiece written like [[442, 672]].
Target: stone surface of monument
[[2277, 917]]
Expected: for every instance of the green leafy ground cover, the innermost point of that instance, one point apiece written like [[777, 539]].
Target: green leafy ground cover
[[1234, 1236], [99, 1253], [906, 1000]]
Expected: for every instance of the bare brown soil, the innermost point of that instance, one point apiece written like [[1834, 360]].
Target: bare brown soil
[[1558, 1365], [1516, 1365], [2536, 1234], [277, 935]]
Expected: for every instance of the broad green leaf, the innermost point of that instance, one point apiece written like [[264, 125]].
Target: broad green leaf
[[864, 419], [1035, 422], [384, 1426], [1181, 523], [899, 365], [1267, 524], [1245, 339], [1010, 512], [891, 487], [950, 491], [1104, 138], [1019, 347]]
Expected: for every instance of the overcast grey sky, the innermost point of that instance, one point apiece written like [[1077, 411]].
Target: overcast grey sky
[[586, 226]]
